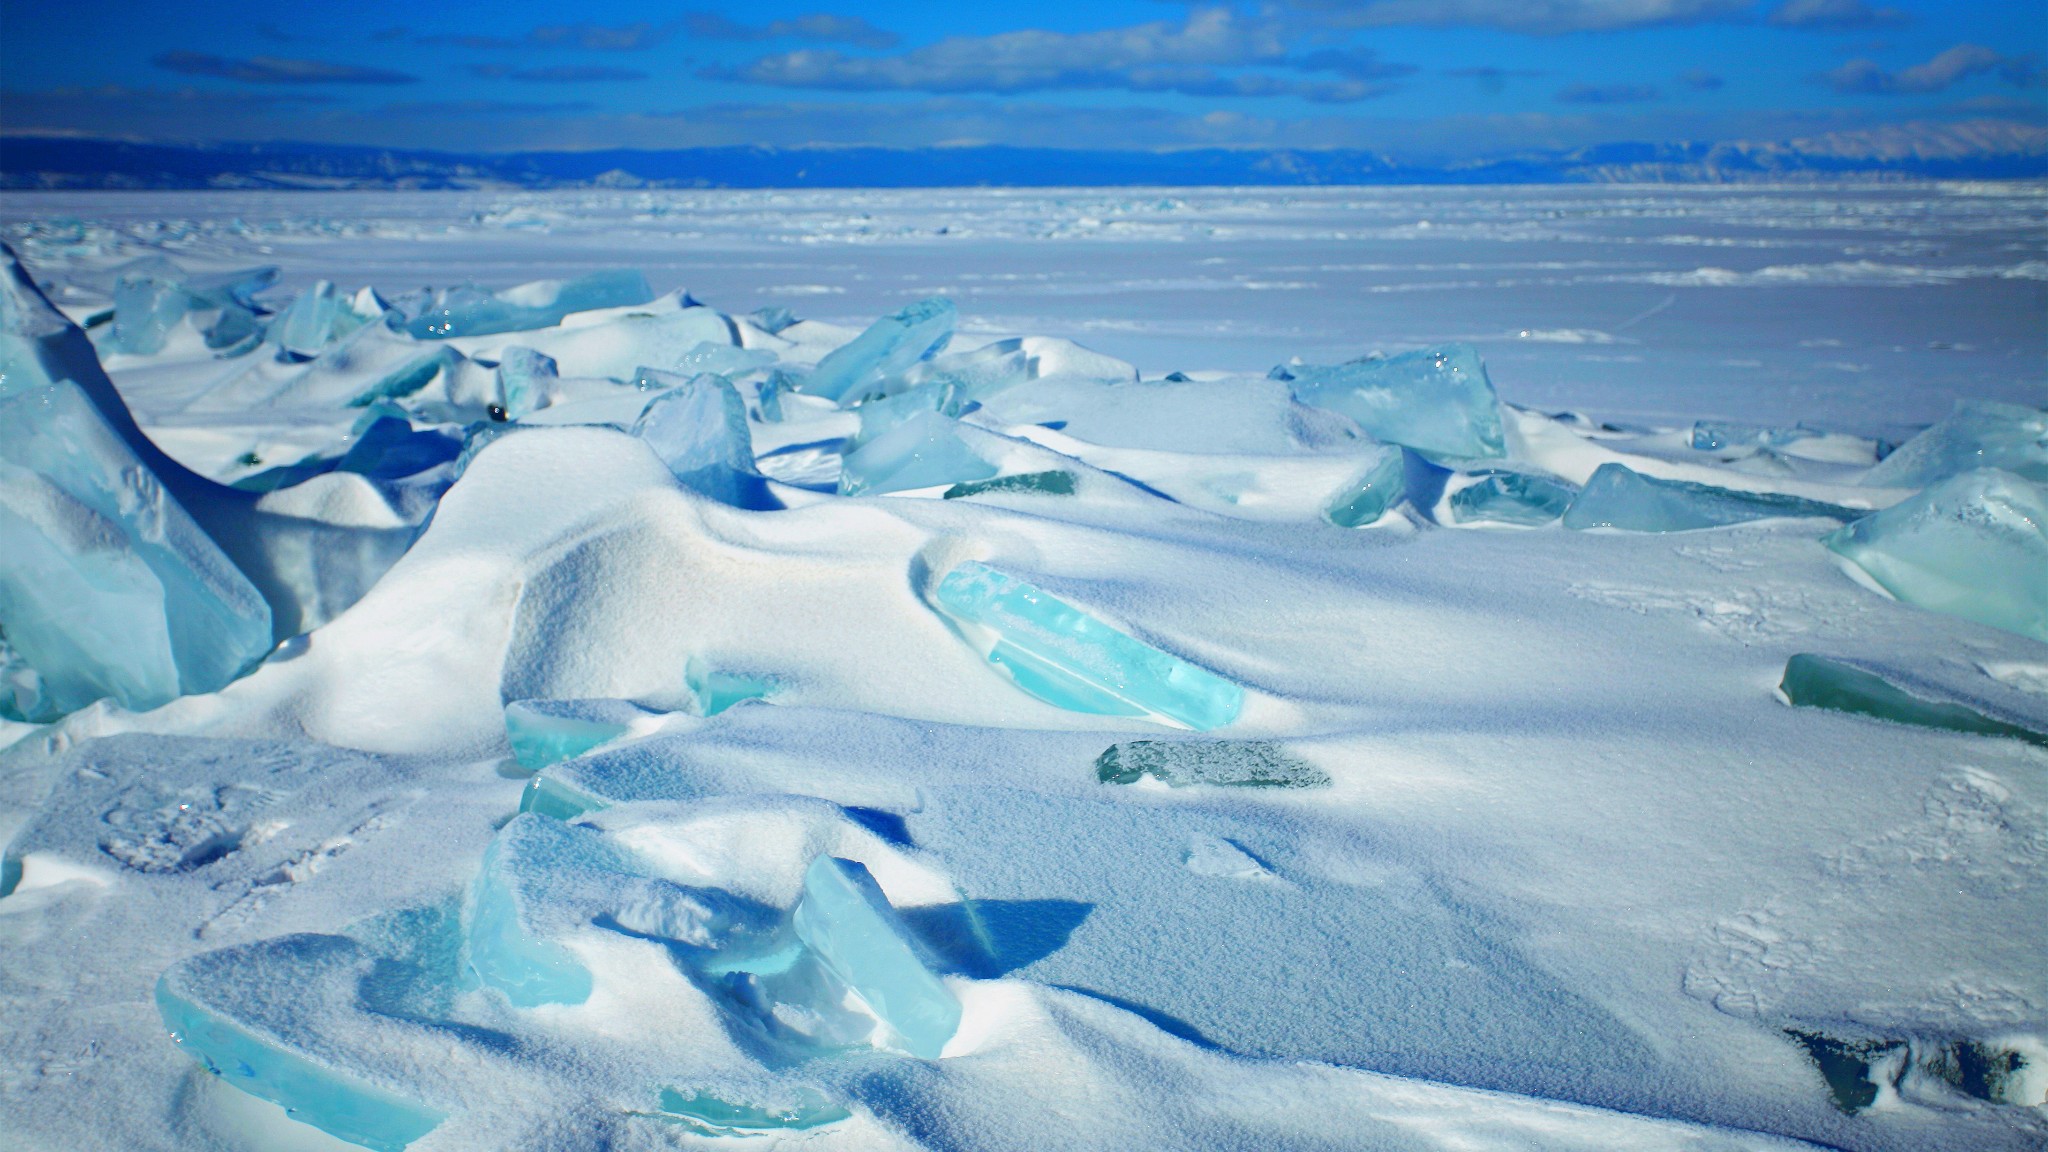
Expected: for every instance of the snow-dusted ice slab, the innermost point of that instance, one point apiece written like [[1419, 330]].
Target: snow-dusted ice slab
[[1436, 400], [884, 352], [541, 304], [1975, 546], [108, 587], [1819, 682], [1977, 434], [1067, 658], [698, 426], [1619, 497], [543, 732], [845, 920], [924, 451]]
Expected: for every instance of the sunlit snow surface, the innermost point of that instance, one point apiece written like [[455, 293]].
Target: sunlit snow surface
[[1520, 829]]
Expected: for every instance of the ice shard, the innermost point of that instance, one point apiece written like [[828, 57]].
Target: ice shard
[[513, 911], [469, 311], [724, 359], [1976, 434], [310, 323], [1367, 496], [1619, 497], [772, 319], [708, 1114], [1071, 660], [716, 689], [107, 587], [239, 1017], [698, 427], [1818, 682], [923, 451], [1435, 400], [847, 923], [544, 732], [523, 376], [1522, 498], [1974, 546], [146, 308], [1233, 763], [879, 415], [1723, 435], [1053, 483], [888, 349]]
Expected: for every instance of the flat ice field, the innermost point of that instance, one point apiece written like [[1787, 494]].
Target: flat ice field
[[1140, 669]]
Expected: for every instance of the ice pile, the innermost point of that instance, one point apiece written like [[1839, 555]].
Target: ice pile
[[1619, 497], [469, 311], [1435, 400]]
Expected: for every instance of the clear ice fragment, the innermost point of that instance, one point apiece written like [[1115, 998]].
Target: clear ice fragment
[[1235, 763], [387, 447], [724, 359], [1511, 498], [1435, 400], [1722, 435], [717, 690], [408, 378], [107, 586], [1619, 497], [879, 415], [1974, 546], [543, 732], [888, 349], [1817, 682], [772, 319], [146, 308], [469, 311], [1071, 660], [698, 427], [1976, 434], [1367, 496], [523, 376], [207, 1016], [710, 1115], [1054, 483], [309, 324], [923, 451], [847, 923], [506, 933]]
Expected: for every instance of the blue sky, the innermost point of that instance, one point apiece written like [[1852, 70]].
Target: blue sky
[[1421, 79]]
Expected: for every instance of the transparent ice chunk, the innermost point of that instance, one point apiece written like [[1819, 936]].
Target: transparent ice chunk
[[1071, 660], [146, 308], [309, 324], [1974, 546], [1817, 682], [966, 378], [883, 413], [1435, 400], [1619, 497], [1511, 498], [772, 319], [1365, 498], [1976, 434], [506, 918], [847, 923], [922, 452], [108, 588], [890, 346], [711, 1115], [229, 1025], [1053, 483], [523, 376], [387, 447], [724, 359], [1722, 435], [698, 427], [543, 732], [1235, 763], [409, 377], [469, 311], [716, 689]]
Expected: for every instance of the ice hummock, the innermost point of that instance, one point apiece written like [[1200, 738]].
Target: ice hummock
[[1436, 400], [885, 351], [110, 588], [698, 426], [1974, 546], [1617, 496], [924, 451], [1366, 497], [1976, 434], [1499, 496], [470, 311], [1812, 681], [1072, 660], [1234, 763]]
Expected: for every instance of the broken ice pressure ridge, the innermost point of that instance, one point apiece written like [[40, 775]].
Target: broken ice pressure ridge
[[1977, 434], [1435, 400], [242, 1013], [1819, 682], [108, 588], [469, 311], [1974, 546], [1071, 660], [887, 350], [151, 301], [1230, 763], [698, 427], [1620, 497]]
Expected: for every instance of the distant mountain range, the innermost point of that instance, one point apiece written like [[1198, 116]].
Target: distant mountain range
[[1974, 150]]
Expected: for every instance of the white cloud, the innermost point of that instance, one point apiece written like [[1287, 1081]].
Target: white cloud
[[1951, 67], [1540, 17]]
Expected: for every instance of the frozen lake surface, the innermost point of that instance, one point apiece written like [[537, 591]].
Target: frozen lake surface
[[1330, 755]]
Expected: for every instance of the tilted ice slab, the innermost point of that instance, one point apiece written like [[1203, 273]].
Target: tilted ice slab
[[1977, 434], [1619, 497], [885, 351], [541, 304], [698, 427], [543, 732], [1067, 658], [1812, 681], [109, 588], [1436, 400], [923, 451], [1975, 546]]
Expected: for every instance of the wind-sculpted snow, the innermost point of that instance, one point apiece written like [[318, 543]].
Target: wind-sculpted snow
[[683, 720]]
